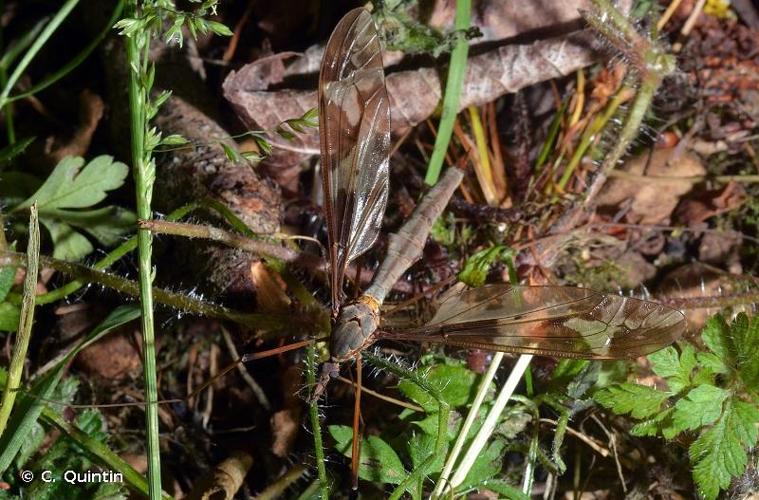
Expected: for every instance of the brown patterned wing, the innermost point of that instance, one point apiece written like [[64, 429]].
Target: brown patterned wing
[[550, 321], [354, 121]]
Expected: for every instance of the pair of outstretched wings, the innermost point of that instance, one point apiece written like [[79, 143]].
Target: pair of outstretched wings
[[354, 120]]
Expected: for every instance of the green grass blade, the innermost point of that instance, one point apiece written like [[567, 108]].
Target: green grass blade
[[456, 72], [25, 323], [41, 40], [77, 60], [31, 405]]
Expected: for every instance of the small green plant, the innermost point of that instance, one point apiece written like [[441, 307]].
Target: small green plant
[[66, 201], [712, 396], [145, 23], [411, 443]]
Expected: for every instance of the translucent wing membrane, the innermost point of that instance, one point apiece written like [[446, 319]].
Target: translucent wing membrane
[[354, 121], [550, 321]]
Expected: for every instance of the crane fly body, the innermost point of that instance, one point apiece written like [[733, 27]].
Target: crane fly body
[[354, 119]]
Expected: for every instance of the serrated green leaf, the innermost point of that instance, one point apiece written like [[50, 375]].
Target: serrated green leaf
[[701, 406], [716, 334], [486, 466], [455, 383], [652, 426], [378, 461], [71, 186], [639, 401], [748, 355], [68, 244], [712, 362], [9, 317], [676, 368], [108, 225], [719, 453]]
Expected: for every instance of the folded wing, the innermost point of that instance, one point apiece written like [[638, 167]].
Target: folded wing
[[354, 121]]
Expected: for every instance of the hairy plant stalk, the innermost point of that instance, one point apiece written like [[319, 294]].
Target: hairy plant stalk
[[651, 64], [110, 258], [255, 246], [144, 177], [26, 320], [316, 430]]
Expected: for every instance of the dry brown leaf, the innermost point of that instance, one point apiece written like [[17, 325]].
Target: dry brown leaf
[[226, 479], [270, 288], [652, 202], [710, 203], [113, 357], [286, 423], [414, 95]]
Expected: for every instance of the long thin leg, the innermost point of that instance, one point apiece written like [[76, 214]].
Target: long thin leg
[[243, 359], [356, 448]]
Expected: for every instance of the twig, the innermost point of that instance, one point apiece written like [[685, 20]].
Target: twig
[[582, 437], [664, 19], [689, 24], [244, 373]]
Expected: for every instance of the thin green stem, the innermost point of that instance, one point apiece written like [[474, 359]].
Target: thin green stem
[[138, 46], [76, 61], [456, 73], [591, 133], [313, 413], [26, 320], [52, 26]]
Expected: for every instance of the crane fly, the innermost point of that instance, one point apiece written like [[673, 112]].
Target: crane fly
[[354, 121]]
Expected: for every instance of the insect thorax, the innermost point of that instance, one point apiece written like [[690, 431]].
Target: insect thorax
[[355, 327]]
